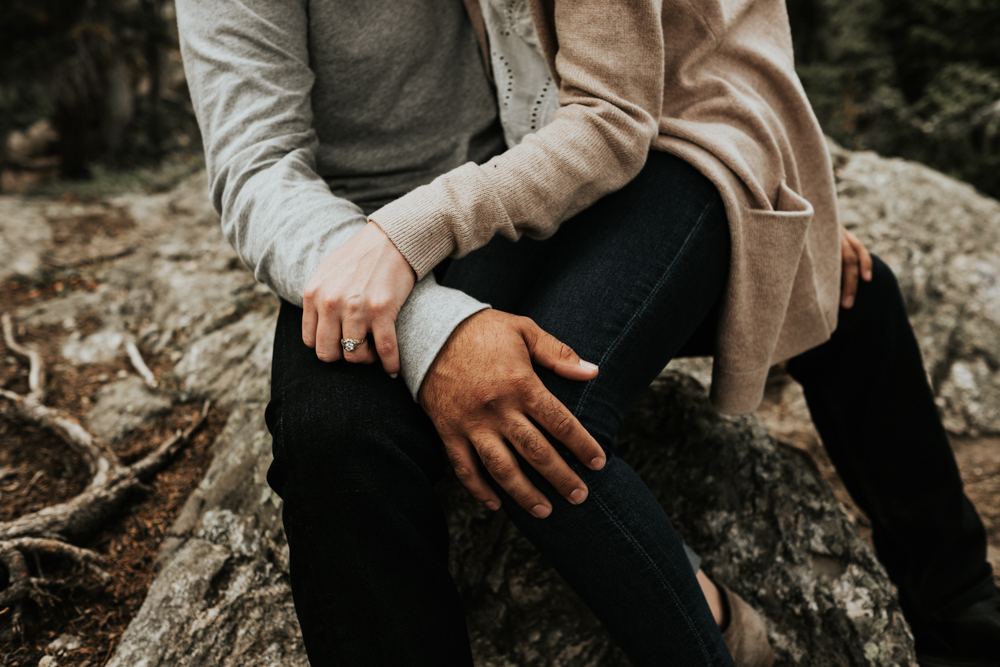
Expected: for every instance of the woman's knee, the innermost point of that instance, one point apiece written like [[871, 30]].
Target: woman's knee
[[879, 302]]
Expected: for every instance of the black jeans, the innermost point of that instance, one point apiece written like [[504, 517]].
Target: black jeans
[[629, 283]]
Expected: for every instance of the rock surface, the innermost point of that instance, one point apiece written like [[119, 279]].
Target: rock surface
[[124, 406], [764, 522], [768, 527]]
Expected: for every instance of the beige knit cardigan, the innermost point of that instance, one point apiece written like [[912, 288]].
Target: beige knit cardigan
[[711, 81]]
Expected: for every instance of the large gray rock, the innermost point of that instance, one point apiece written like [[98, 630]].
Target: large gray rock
[[768, 527], [233, 361], [222, 595]]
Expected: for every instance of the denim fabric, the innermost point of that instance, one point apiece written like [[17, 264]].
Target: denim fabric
[[625, 283]]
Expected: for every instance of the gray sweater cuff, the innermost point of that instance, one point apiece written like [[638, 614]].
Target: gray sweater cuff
[[424, 325]]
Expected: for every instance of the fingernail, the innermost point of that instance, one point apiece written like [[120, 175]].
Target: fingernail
[[587, 366], [597, 462], [578, 496], [394, 375], [848, 301], [868, 275], [541, 511], [493, 505]]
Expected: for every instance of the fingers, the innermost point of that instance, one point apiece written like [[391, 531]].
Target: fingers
[[328, 338], [384, 342], [560, 423], [499, 461], [309, 322], [849, 274], [864, 255], [544, 458], [549, 352], [363, 353], [464, 460]]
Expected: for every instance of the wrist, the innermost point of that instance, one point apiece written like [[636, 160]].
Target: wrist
[[398, 258]]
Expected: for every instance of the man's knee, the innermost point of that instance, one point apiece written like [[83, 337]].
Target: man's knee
[[348, 427]]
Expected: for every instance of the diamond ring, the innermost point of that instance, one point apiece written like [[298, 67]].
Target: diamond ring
[[351, 344]]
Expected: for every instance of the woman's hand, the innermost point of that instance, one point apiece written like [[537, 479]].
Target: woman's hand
[[358, 288], [485, 399], [857, 261]]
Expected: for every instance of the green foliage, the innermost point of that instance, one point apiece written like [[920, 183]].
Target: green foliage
[[915, 78]]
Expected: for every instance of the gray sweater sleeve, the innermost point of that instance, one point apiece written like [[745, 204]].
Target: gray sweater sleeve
[[247, 64]]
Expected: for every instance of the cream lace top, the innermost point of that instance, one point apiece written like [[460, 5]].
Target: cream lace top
[[526, 94]]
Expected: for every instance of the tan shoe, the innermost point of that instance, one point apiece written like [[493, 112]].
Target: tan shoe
[[746, 635]]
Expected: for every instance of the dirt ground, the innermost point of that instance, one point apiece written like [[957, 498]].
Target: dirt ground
[[38, 470]]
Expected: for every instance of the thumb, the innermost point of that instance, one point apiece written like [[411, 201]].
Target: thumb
[[549, 352]]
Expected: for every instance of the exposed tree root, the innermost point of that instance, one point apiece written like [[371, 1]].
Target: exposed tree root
[[49, 530], [138, 364]]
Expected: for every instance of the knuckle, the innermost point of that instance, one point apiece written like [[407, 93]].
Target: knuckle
[[533, 447], [536, 450], [380, 304], [487, 399], [499, 466], [568, 484], [545, 406], [329, 304], [354, 304], [522, 383], [561, 425], [504, 471], [464, 472], [386, 347], [525, 497]]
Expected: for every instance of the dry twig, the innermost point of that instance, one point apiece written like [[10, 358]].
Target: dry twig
[[36, 373], [137, 362]]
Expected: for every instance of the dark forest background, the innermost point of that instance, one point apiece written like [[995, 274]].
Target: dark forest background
[[97, 85]]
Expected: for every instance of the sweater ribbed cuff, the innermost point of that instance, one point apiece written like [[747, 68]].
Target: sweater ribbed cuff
[[425, 324], [416, 226]]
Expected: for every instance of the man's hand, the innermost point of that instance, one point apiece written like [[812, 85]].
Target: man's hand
[[357, 288], [857, 261], [482, 393]]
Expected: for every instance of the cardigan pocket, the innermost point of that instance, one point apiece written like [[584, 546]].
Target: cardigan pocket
[[772, 244], [775, 238]]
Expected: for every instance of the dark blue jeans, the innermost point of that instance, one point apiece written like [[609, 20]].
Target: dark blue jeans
[[629, 283]]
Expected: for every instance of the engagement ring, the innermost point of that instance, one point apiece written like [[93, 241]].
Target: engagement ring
[[351, 344]]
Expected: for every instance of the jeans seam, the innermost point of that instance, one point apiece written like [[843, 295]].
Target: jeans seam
[[652, 563], [642, 308], [595, 496]]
